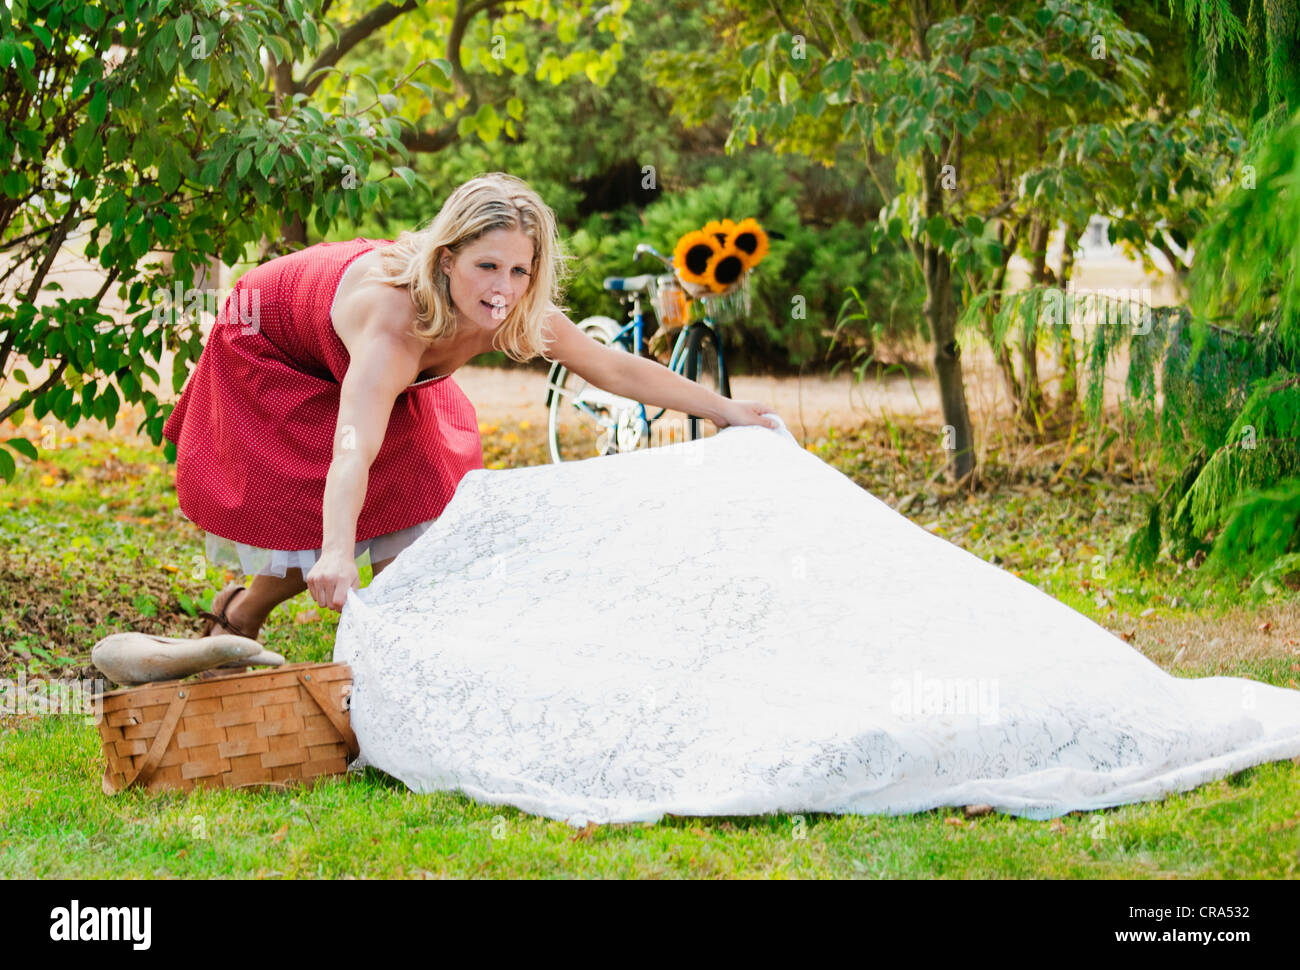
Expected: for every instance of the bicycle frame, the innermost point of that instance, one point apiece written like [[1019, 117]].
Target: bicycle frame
[[632, 337], [676, 360]]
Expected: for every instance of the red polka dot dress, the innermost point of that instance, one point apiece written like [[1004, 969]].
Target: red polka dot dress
[[254, 427]]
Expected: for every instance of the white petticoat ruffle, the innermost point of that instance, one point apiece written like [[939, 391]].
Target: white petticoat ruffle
[[255, 561]]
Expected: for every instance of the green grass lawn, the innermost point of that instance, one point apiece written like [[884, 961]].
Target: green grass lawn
[[92, 542], [58, 824]]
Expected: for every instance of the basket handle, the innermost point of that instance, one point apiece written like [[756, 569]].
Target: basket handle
[[341, 724], [160, 742]]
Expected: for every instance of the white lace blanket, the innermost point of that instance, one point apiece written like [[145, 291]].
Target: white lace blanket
[[732, 627]]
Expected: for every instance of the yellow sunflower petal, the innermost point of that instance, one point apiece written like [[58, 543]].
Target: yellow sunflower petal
[[725, 270], [692, 254], [751, 240], [720, 229]]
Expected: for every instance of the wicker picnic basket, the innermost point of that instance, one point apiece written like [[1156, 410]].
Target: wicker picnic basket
[[281, 726]]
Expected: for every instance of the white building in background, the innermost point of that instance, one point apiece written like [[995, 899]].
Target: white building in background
[[1101, 266]]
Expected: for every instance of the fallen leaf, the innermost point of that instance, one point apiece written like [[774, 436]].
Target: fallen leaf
[[584, 833], [306, 616], [975, 811], [1265, 626], [281, 833], [1058, 826], [955, 821]]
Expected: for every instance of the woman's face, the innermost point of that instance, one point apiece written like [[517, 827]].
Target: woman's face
[[489, 276]]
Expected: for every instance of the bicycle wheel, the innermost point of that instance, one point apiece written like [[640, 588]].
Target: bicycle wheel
[[705, 366], [583, 420]]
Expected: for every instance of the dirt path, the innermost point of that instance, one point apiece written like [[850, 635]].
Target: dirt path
[[812, 402], [810, 405]]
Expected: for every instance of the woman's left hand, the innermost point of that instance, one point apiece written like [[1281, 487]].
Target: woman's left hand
[[740, 413]]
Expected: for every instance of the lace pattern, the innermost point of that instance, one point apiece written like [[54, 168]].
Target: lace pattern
[[731, 626]]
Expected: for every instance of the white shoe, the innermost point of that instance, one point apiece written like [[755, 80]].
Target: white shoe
[[141, 658]]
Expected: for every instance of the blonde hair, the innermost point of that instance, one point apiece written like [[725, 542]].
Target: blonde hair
[[485, 203]]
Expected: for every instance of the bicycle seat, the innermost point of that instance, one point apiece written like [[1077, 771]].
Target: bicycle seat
[[629, 284]]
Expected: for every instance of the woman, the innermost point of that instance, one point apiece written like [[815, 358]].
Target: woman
[[321, 423]]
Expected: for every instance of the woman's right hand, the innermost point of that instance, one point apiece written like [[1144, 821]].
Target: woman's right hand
[[331, 578]]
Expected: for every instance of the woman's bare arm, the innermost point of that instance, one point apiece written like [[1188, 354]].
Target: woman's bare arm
[[383, 362], [377, 373], [643, 379]]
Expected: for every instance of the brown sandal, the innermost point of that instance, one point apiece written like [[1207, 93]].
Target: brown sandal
[[218, 613]]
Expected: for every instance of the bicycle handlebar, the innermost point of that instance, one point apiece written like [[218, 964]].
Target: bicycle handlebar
[[643, 248]]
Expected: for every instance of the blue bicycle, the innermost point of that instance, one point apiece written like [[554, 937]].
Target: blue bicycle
[[585, 420]]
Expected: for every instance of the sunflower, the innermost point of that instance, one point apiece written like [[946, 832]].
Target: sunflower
[[720, 229], [749, 238], [693, 254], [725, 269]]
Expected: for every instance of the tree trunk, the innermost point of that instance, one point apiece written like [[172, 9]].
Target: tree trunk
[[1030, 409], [1069, 394], [1001, 356], [941, 316]]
